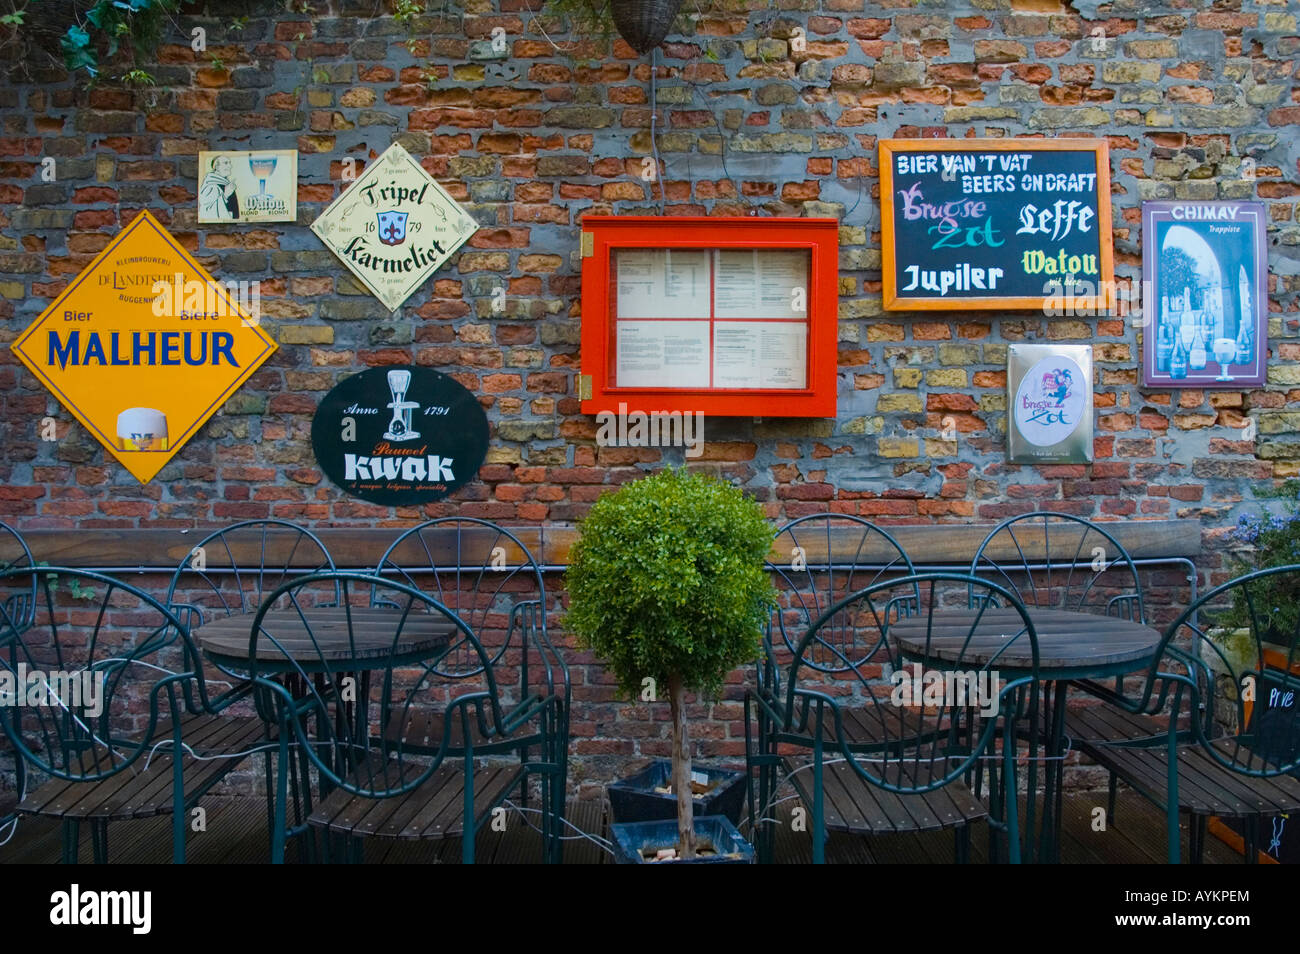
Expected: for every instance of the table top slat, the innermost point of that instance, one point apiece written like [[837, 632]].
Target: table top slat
[[1067, 641], [374, 632]]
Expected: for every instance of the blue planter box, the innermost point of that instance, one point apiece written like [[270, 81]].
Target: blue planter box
[[632, 841], [634, 798]]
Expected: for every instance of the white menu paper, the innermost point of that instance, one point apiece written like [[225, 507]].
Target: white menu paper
[[760, 354], [662, 282], [760, 283], [662, 354]]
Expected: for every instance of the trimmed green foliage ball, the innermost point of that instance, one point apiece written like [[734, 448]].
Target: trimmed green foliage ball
[[668, 579]]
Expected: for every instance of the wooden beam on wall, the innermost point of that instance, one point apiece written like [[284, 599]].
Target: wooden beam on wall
[[362, 547]]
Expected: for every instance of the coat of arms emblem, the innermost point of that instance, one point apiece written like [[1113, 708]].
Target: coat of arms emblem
[[392, 227]]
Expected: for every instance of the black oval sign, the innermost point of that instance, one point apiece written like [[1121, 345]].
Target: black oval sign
[[399, 435]]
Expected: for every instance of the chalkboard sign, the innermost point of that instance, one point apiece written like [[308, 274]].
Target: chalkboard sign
[[997, 223], [1275, 718], [400, 436], [1275, 727]]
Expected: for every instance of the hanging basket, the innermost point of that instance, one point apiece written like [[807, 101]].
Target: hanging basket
[[644, 23]]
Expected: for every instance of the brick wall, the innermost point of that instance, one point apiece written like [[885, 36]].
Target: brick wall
[[531, 139]]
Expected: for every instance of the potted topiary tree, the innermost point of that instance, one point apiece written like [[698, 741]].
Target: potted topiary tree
[[666, 583]]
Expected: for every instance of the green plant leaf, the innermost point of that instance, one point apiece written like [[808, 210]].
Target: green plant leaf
[[667, 580]]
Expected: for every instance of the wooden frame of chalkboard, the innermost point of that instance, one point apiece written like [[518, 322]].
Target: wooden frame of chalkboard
[[725, 316], [967, 194]]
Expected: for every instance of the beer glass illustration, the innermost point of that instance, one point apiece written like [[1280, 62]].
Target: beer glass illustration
[[1225, 349], [262, 167], [142, 429], [399, 428]]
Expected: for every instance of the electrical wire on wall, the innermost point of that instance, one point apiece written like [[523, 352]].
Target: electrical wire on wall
[[654, 115]]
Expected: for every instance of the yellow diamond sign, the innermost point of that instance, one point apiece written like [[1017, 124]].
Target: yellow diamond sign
[[144, 346]]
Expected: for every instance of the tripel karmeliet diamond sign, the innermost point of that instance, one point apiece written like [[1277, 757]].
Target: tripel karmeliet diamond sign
[[394, 226], [143, 346]]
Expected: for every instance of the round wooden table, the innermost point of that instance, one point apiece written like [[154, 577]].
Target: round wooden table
[[1071, 645], [321, 642], [325, 639]]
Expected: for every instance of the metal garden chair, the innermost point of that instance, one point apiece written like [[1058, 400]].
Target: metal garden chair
[[1223, 662], [816, 561], [230, 571], [913, 774], [486, 575], [1061, 561], [412, 749], [113, 697], [19, 609]]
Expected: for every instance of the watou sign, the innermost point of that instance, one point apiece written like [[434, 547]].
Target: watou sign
[[400, 435]]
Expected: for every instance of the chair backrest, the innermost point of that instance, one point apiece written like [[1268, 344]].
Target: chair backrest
[[818, 560], [89, 678], [916, 711], [21, 603], [230, 571], [1060, 561], [480, 571], [373, 712], [1236, 655]]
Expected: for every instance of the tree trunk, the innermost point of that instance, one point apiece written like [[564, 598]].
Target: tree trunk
[[682, 769]]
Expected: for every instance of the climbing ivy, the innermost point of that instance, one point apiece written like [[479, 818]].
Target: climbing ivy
[[137, 21]]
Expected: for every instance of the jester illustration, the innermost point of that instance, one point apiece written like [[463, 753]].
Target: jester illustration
[[1056, 385]]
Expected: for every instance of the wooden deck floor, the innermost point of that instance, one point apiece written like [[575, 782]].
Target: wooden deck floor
[[236, 834]]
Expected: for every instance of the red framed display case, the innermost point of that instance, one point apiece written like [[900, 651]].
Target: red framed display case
[[726, 316]]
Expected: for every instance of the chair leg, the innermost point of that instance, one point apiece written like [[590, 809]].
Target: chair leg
[[762, 829], [558, 808], [269, 781], [1250, 832], [551, 814], [281, 797], [469, 826], [180, 821], [71, 841], [1202, 829], [99, 841], [467, 843], [962, 838], [1173, 833], [997, 791], [1111, 795]]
